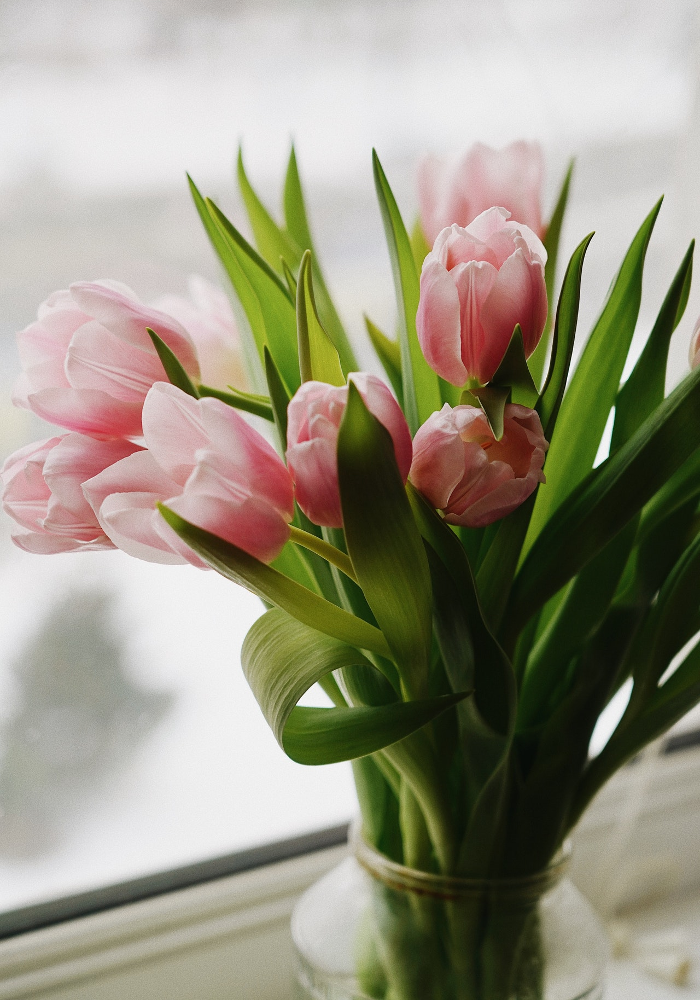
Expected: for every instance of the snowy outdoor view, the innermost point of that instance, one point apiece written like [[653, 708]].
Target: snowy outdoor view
[[129, 741]]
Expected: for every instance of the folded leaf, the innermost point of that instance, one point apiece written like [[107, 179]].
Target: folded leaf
[[274, 588], [299, 230], [383, 542], [282, 659], [421, 392], [318, 358]]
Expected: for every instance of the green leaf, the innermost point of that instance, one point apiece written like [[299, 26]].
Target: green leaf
[[485, 665], [289, 278], [671, 702], [644, 389], [318, 358], [593, 388], [173, 369], [492, 400], [419, 245], [272, 241], [294, 207], [274, 588], [552, 394], [572, 625], [421, 391], [609, 497], [383, 542], [497, 569], [513, 371], [682, 487], [389, 353], [670, 624], [248, 401], [298, 228], [273, 297], [279, 398], [551, 245], [248, 313], [283, 658]]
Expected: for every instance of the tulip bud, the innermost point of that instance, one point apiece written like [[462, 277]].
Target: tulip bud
[[462, 470], [314, 418], [476, 285], [511, 177]]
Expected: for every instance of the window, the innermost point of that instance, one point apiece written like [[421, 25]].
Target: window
[[129, 742]]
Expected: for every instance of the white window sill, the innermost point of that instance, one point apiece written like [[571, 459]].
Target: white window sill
[[229, 938]]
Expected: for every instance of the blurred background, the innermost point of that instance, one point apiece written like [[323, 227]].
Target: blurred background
[[129, 742]]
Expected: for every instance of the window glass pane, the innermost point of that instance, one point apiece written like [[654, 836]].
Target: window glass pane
[[129, 741]]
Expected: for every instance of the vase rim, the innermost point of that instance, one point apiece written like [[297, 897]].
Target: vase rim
[[454, 887]]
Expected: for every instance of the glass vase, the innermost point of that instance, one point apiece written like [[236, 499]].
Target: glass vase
[[372, 929]]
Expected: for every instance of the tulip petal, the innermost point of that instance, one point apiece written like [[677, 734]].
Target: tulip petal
[[87, 411], [126, 318], [518, 296], [314, 468], [173, 429], [438, 458], [77, 459], [42, 543], [96, 359], [438, 323], [255, 527], [246, 456], [131, 521], [137, 473], [473, 283]]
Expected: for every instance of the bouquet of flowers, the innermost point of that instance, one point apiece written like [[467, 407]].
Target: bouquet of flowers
[[436, 550]]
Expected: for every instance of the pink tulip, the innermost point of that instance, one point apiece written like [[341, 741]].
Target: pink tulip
[[476, 285], [42, 492], [208, 318], [694, 352], [314, 417], [510, 177], [207, 464], [89, 362], [462, 470]]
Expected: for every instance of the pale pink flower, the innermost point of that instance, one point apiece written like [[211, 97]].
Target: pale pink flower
[[209, 466], [314, 417], [476, 284], [208, 318], [511, 177], [42, 491], [474, 479], [89, 362]]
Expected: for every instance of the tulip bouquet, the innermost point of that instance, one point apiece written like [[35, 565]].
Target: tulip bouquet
[[436, 550]]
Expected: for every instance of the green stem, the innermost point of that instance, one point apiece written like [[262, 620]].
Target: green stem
[[322, 548]]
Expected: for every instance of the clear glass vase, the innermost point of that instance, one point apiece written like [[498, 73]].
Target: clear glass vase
[[372, 929]]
